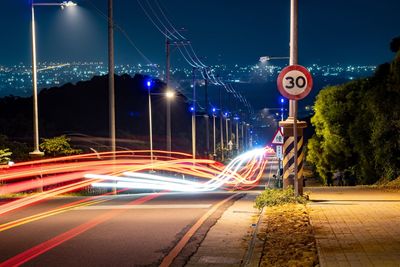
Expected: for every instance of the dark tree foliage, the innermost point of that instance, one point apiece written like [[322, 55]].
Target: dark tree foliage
[[395, 44], [357, 127]]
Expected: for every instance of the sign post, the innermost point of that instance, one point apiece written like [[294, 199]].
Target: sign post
[[278, 140], [295, 83]]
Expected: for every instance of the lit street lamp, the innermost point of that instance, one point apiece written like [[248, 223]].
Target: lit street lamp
[[150, 123], [264, 59], [214, 137], [169, 94], [36, 151], [226, 129], [237, 133]]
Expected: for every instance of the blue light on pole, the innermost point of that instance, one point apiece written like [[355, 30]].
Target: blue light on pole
[[214, 109], [282, 100], [192, 109], [148, 84]]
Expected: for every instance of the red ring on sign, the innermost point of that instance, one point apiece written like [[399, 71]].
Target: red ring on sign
[[302, 70]]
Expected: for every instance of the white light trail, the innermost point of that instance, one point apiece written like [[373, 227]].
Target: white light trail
[[237, 172]]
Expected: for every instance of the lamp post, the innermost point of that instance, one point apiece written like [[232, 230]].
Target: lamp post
[[214, 135], [243, 144], [150, 123], [237, 134], [36, 151], [226, 130], [193, 110]]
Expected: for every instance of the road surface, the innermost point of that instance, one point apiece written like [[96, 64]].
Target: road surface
[[122, 230]]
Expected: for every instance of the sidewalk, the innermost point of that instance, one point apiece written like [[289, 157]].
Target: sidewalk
[[356, 226], [227, 242]]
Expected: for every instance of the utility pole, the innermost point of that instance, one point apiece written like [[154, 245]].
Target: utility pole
[[194, 114], [206, 117], [293, 103], [111, 82], [168, 104], [293, 129]]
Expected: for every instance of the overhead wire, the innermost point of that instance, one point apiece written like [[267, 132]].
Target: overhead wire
[[168, 32], [168, 21], [189, 55], [125, 34]]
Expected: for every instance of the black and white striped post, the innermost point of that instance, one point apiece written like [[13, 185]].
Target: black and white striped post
[[289, 170]]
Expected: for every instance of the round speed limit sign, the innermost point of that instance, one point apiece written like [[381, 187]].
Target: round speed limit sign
[[295, 82]]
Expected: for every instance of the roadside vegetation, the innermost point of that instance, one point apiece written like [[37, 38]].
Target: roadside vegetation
[[275, 197], [357, 127], [286, 230], [58, 146]]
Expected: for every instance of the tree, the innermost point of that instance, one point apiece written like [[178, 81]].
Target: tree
[[395, 44], [58, 146], [5, 155], [357, 127]]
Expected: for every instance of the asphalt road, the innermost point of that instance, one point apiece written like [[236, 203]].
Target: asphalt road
[[121, 231]]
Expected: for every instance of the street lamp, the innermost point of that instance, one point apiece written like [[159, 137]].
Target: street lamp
[[226, 129], [264, 59], [236, 118], [170, 94], [214, 136], [36, 151], [150, 123]]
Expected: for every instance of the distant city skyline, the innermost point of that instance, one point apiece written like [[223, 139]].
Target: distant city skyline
[[16, 79], [345, 32]]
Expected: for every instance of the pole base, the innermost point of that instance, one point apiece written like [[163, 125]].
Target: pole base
[[36, 153]]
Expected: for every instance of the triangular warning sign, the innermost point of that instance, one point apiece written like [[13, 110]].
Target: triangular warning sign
[[278, 137]]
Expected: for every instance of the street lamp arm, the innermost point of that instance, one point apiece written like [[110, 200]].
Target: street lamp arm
[[268, 58], [62, 4]]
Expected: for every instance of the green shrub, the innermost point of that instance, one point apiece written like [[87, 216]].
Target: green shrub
[[58, 146], [276, 197]]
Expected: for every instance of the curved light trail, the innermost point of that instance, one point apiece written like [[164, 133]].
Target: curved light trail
[[130, 170]]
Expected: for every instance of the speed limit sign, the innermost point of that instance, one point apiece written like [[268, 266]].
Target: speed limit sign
[[295, 82]]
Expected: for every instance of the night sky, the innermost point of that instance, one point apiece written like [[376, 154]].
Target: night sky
[[221, 31]]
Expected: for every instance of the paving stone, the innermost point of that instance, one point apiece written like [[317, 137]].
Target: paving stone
[[359, 227]]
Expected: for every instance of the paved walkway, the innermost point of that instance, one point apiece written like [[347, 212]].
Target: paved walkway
[[356, 226], [227, 241]]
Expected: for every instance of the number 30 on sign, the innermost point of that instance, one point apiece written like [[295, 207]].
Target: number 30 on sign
[[295, 82]]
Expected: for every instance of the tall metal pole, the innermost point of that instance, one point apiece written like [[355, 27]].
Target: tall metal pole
[[214, 137], [194, 115], [226, 132], [111, 83], [150, 126], [243, 123], [167, 78], [237, 136], [36, 151], [206, 117], [294, 61], [221, 127]]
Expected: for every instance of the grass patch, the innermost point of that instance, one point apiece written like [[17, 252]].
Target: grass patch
[[277, 197]]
